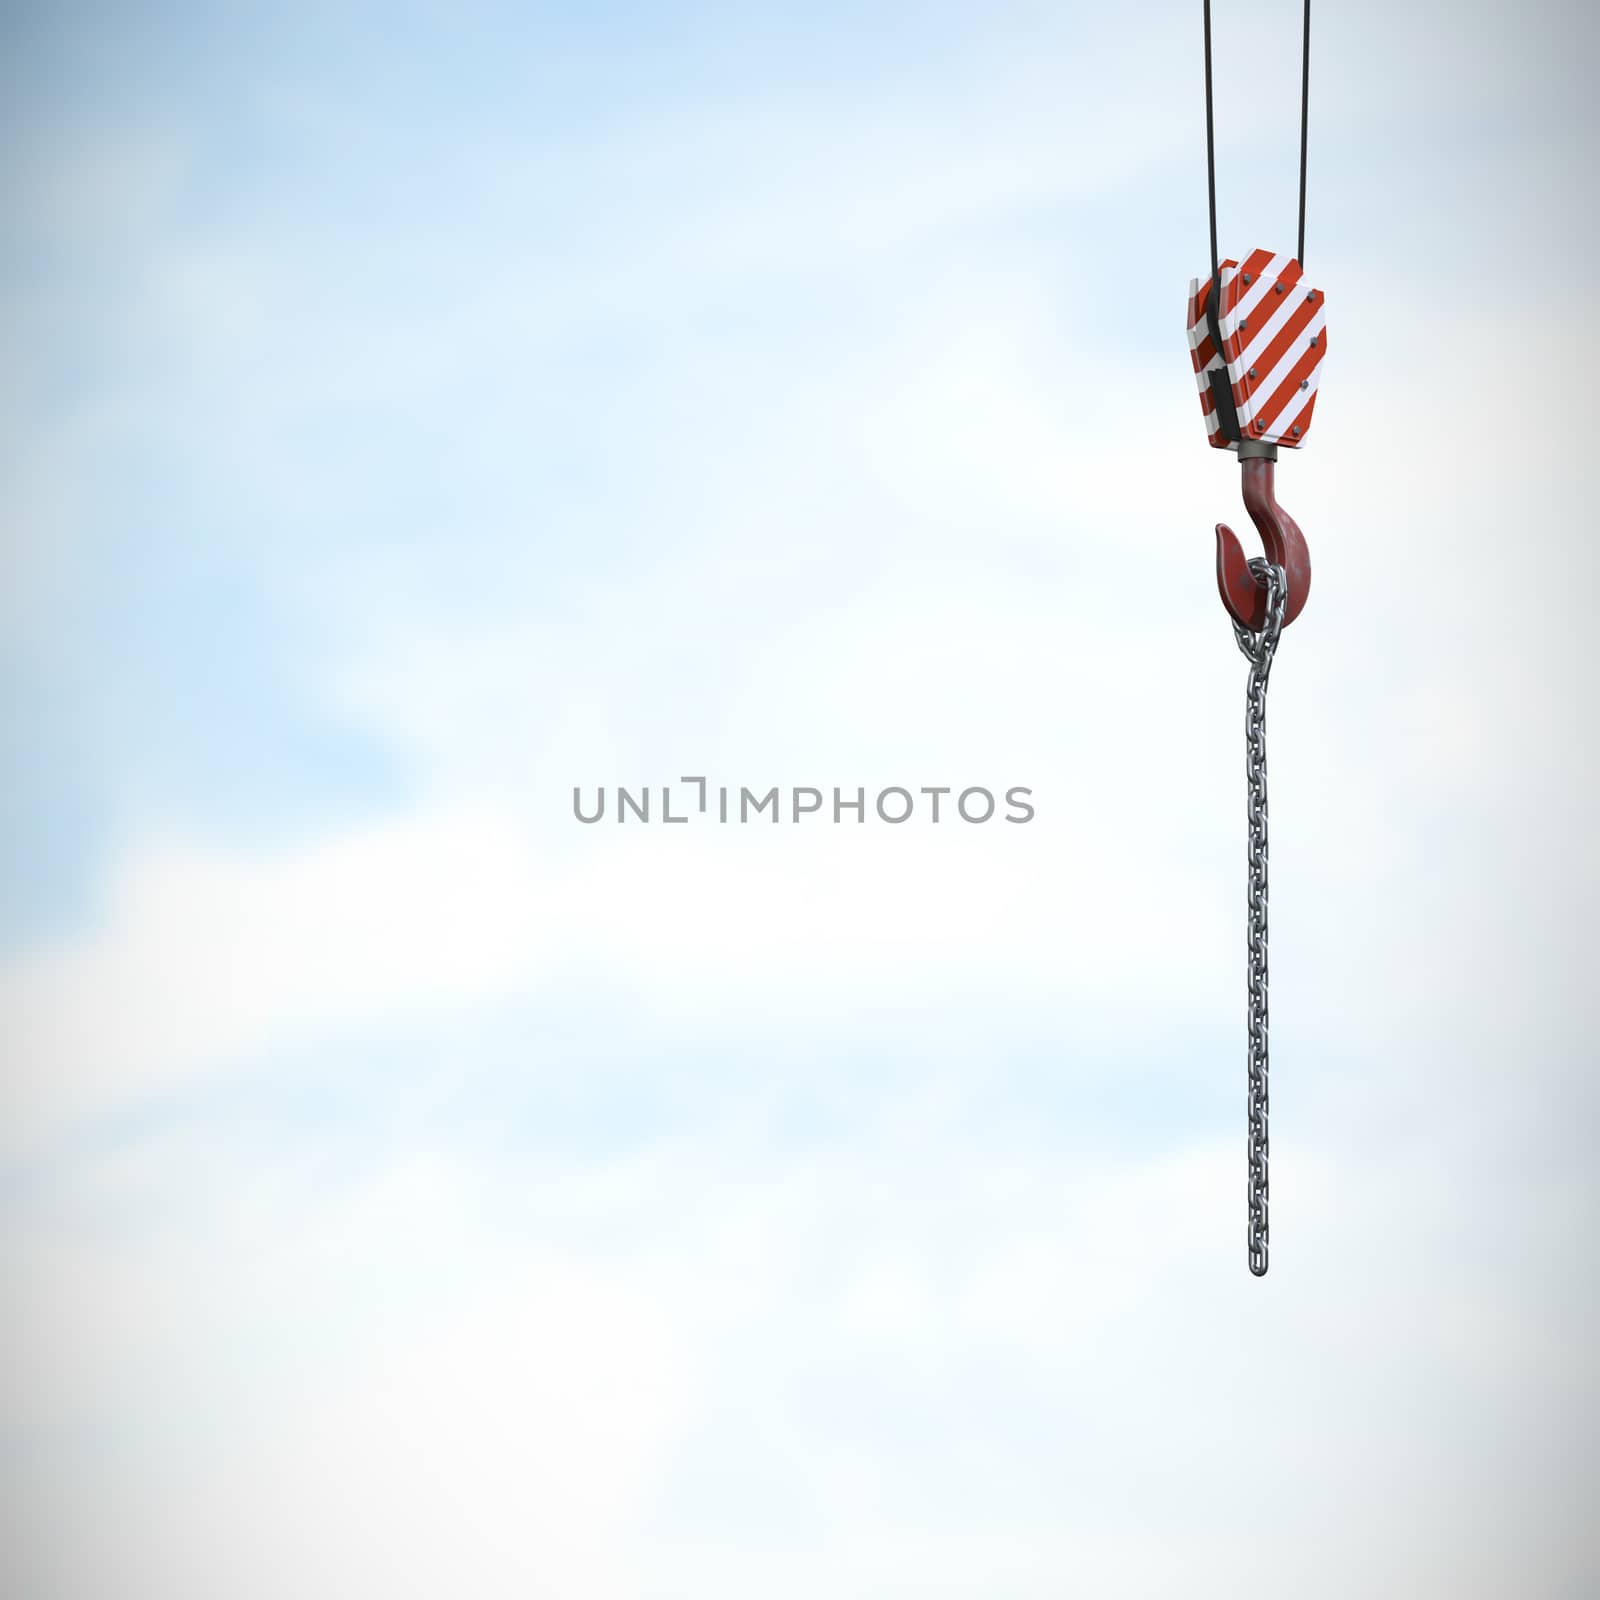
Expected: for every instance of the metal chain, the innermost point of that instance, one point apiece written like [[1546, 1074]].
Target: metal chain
[[1259, 649]]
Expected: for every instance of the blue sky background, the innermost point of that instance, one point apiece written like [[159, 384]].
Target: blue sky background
[[410, 413]]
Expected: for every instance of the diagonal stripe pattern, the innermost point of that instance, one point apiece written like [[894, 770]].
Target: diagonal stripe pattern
[[1273, 343]]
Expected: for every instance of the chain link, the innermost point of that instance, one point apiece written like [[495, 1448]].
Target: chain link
[[1259, 649]]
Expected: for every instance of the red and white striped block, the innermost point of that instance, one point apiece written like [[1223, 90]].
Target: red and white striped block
[[1273, 342]]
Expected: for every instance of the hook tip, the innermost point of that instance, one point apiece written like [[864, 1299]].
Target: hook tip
[[1244, 597]]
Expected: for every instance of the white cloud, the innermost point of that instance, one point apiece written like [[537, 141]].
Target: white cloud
[[199, 955], [869, 1368]]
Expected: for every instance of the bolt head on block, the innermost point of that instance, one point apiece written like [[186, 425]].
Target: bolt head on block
[[1273, 347]]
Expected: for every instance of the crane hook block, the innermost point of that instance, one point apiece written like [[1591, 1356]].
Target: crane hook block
[[1261, 386]]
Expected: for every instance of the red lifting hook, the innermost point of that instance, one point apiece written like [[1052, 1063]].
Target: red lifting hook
[[1242, 594]]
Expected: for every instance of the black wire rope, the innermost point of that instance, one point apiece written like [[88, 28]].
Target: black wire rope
[[1305, 104], [1211, 157], [1211, 144]]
